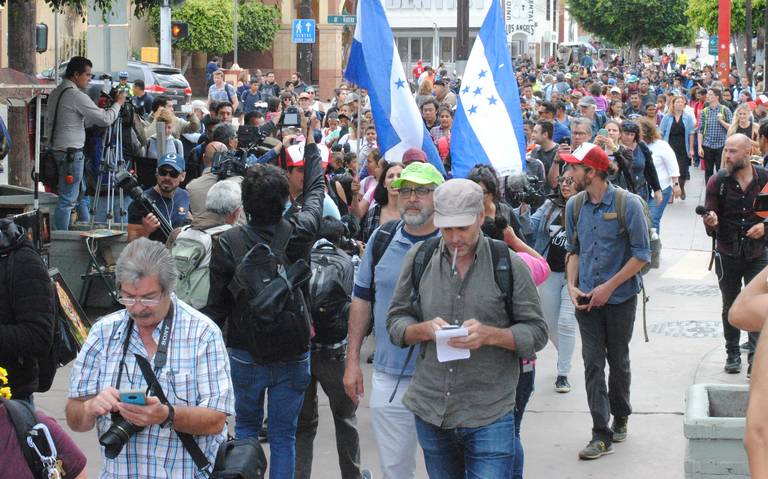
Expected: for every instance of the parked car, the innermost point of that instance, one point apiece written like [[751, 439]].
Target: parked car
[[159, 79]]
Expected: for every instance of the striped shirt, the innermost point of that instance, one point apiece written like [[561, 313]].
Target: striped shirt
[[197, 373]]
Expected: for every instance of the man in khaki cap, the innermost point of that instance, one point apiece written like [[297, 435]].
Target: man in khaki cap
[[465, 408]]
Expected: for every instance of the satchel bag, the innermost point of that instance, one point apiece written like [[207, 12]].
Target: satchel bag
[[49, 170]]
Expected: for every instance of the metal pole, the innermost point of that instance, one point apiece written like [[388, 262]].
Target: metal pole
[[748, 34], [165, 34], [56, 59], [36, 176], [462, 35], [237, 7]]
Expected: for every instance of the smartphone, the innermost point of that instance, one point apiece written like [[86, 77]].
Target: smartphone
[[602, 132], [137, 397], [565, 141], [583, 300], [451, 326], [761, 202]]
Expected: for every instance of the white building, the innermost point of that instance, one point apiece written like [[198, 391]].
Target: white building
[[426, 29]]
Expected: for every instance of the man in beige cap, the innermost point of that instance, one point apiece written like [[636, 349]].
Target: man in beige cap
[[465, 408]]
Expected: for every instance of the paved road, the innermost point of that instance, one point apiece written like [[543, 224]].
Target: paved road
[[685, 347]]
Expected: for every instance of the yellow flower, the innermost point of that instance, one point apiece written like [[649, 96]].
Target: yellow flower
[[3, 376], [5, 392]]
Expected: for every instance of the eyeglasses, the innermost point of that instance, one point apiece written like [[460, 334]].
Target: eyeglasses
[[420, 191], [130, 301], [566, 180], [168, 172]]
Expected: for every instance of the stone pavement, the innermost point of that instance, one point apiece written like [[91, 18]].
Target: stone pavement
[[685, 347]]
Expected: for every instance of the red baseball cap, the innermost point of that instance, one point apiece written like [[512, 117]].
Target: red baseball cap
[[294, 155], [588, 154], [761, 100], [414, 154]]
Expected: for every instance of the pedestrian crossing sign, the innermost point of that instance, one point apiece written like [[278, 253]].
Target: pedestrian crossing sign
[[303, 31]]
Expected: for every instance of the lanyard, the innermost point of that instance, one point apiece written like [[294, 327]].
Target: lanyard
[[161, 355]]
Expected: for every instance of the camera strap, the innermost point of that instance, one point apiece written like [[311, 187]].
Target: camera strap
[[161, 355], [187, 440], [56, 116]]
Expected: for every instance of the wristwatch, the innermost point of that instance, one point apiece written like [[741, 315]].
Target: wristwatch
[[171, 416]]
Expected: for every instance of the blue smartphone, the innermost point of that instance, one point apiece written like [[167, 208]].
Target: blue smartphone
[[137, 398]]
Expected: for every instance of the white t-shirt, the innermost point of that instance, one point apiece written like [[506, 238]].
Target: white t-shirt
[[665, 161]]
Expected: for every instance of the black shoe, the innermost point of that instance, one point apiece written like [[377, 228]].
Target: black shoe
[[733, 363], [619, 428], [745, 347], [562, 385]]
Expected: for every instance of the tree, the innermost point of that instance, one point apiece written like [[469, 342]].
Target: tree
[[704, 14], [257, 26], [635, 23]]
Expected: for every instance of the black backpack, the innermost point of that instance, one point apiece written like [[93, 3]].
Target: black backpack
[[24, 420], [64, 347], [267, 292], [330, 291]]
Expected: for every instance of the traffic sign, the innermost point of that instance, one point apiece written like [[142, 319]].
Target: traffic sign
[[342, 19], [713, 45], [303, 31]]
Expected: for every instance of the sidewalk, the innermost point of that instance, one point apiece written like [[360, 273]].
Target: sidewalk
[[685, 347]]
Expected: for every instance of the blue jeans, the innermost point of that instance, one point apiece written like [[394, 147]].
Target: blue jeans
[[285, 383], [70, 194], [524, 391], [658, 210], [560, 317], [486, 452]]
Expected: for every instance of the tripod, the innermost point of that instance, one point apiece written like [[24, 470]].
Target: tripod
[[112, 162]]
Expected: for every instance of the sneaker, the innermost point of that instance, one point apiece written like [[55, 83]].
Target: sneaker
[[733, 363], [562, 385], [745, 347], [365, 474], [619, 428], [595, 449]]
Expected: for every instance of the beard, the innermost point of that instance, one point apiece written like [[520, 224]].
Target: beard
[[736, 166], [416, 220]]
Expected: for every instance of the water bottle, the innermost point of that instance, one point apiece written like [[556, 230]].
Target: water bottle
[[655, 249]]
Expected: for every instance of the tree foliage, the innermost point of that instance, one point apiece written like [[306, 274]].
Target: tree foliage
[[704, 14], [652, 23], [210, 25], [257, 25]]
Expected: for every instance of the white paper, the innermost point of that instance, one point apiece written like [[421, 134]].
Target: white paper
[[449, 353]]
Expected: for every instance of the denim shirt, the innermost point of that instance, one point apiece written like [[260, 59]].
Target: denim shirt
[[602, 247]]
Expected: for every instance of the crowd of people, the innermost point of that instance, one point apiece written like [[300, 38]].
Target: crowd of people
[[254, 272]]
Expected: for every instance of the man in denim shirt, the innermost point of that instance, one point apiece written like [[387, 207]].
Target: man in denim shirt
[[602, 266]]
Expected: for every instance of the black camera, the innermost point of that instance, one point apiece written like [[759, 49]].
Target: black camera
[[291, 117], [249, 137], [524, 189], [117, 435], [229, 163], [130, 185]]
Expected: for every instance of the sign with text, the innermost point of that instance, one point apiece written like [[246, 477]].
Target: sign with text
[[342, 19], [303, 30], [520, 16]]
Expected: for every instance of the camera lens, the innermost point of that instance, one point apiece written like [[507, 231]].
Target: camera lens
[[117, 435]]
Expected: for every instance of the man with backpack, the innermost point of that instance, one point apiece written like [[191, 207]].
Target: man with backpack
[[257, 274], [191, 247], [605, 254], [739, 234], [393, 425], [330, 291], [26, 313], [714, 121], [472, 289]]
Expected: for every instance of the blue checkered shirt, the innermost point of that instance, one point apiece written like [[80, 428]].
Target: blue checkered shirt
[[714, 134], [196, 374]]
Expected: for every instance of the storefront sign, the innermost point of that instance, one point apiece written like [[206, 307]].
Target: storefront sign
[[520, 16]]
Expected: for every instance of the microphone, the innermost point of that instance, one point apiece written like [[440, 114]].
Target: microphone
[[701, 211]]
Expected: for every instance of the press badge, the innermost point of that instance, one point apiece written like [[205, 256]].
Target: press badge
[[610, 216]]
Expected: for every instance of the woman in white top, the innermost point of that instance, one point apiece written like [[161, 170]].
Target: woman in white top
[[172, 145], [667, 169]]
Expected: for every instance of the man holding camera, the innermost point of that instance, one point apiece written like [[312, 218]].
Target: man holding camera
[[605, 255], [69, 111], [739, 233], [265, 358], [140, 434], [172, 202]]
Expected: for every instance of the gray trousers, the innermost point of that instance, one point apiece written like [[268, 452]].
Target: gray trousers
[[605, 335], [328, 370]]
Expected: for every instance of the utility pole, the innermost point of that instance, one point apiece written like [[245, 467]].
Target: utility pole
[[765, 45], [748, 35], [304, 50], [462, 35], [235, 66], [165, 33], [724, 40]]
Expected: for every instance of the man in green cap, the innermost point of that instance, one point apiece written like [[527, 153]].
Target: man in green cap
[[394, 426]]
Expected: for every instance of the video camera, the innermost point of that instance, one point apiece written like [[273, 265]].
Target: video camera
[[523, 189], [291, 117], [107, 97], [249, 137], [130, 185], [229, 163]]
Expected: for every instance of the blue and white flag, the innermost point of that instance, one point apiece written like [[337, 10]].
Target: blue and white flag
[[374, 63], [488, 126]]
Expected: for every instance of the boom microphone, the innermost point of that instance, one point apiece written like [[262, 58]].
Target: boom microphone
[[701, 211]]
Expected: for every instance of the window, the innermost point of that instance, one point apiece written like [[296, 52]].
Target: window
[[426, 49], [446, 50], [549, 9], [402, 48], [415, 50]]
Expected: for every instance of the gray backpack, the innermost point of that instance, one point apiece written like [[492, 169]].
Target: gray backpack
[[192, 254]]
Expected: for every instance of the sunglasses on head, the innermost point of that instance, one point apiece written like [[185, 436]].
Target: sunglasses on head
[[168, 172]]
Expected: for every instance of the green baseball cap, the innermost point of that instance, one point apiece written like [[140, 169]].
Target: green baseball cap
[[419, 173]]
